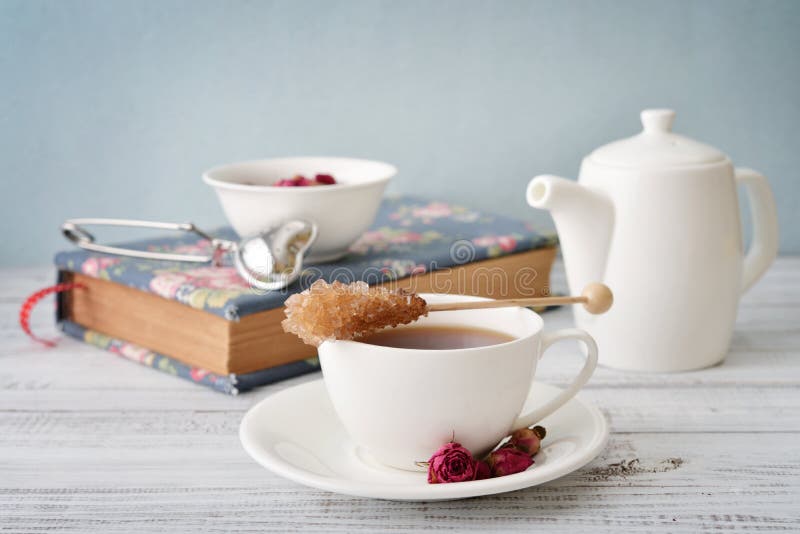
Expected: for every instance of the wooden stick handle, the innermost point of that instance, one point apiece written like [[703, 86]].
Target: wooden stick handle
[[486, 304], [596, 298]]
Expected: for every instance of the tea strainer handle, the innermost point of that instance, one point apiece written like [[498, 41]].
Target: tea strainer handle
[[74, 231]]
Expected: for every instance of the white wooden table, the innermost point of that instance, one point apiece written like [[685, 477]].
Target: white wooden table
[[90, 442]]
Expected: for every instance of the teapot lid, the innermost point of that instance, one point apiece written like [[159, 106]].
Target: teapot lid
[[656, 146]]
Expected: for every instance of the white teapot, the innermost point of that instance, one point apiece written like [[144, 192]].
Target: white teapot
[[656, 218]]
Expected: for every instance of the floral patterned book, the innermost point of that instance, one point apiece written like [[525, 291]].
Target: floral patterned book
[[410, 236]]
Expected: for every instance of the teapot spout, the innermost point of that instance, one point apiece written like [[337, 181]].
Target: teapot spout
[[584, 220]]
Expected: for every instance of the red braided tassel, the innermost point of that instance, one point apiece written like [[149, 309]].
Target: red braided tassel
[[30, 303]]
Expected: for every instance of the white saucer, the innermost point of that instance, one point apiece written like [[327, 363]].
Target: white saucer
[[296, 434]]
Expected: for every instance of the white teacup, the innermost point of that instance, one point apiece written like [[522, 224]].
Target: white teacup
[[401, 404]]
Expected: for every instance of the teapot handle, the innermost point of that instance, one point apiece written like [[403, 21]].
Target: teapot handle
[[764, 247]]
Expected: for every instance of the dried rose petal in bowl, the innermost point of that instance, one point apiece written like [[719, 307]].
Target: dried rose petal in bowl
[[301, 181]]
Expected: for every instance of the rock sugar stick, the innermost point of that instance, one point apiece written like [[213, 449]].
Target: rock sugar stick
[[348, 311]]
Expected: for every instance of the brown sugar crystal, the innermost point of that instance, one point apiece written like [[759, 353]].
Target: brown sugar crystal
[[346, 311]]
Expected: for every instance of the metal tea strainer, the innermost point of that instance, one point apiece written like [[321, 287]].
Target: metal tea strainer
[[270, 260]]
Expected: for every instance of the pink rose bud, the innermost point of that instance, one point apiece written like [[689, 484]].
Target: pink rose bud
[[507, 461], [451, 463], [482, 470], [526, 440]]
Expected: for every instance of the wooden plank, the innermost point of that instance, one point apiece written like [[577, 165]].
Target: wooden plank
[[92, 443], [640, 483]]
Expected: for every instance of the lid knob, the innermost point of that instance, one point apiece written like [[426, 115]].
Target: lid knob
[[657, 120]]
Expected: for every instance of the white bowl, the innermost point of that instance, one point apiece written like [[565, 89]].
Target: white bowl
[[342, 211]]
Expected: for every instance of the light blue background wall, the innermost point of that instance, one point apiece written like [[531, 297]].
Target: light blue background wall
[[115, 108]]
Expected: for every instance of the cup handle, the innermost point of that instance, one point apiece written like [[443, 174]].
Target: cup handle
[[764, 247], [548, 339]]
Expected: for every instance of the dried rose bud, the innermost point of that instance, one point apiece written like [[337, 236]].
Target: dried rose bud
[[451, 463], [482, 470], [526, 440], [326, 179], [507, 461]]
